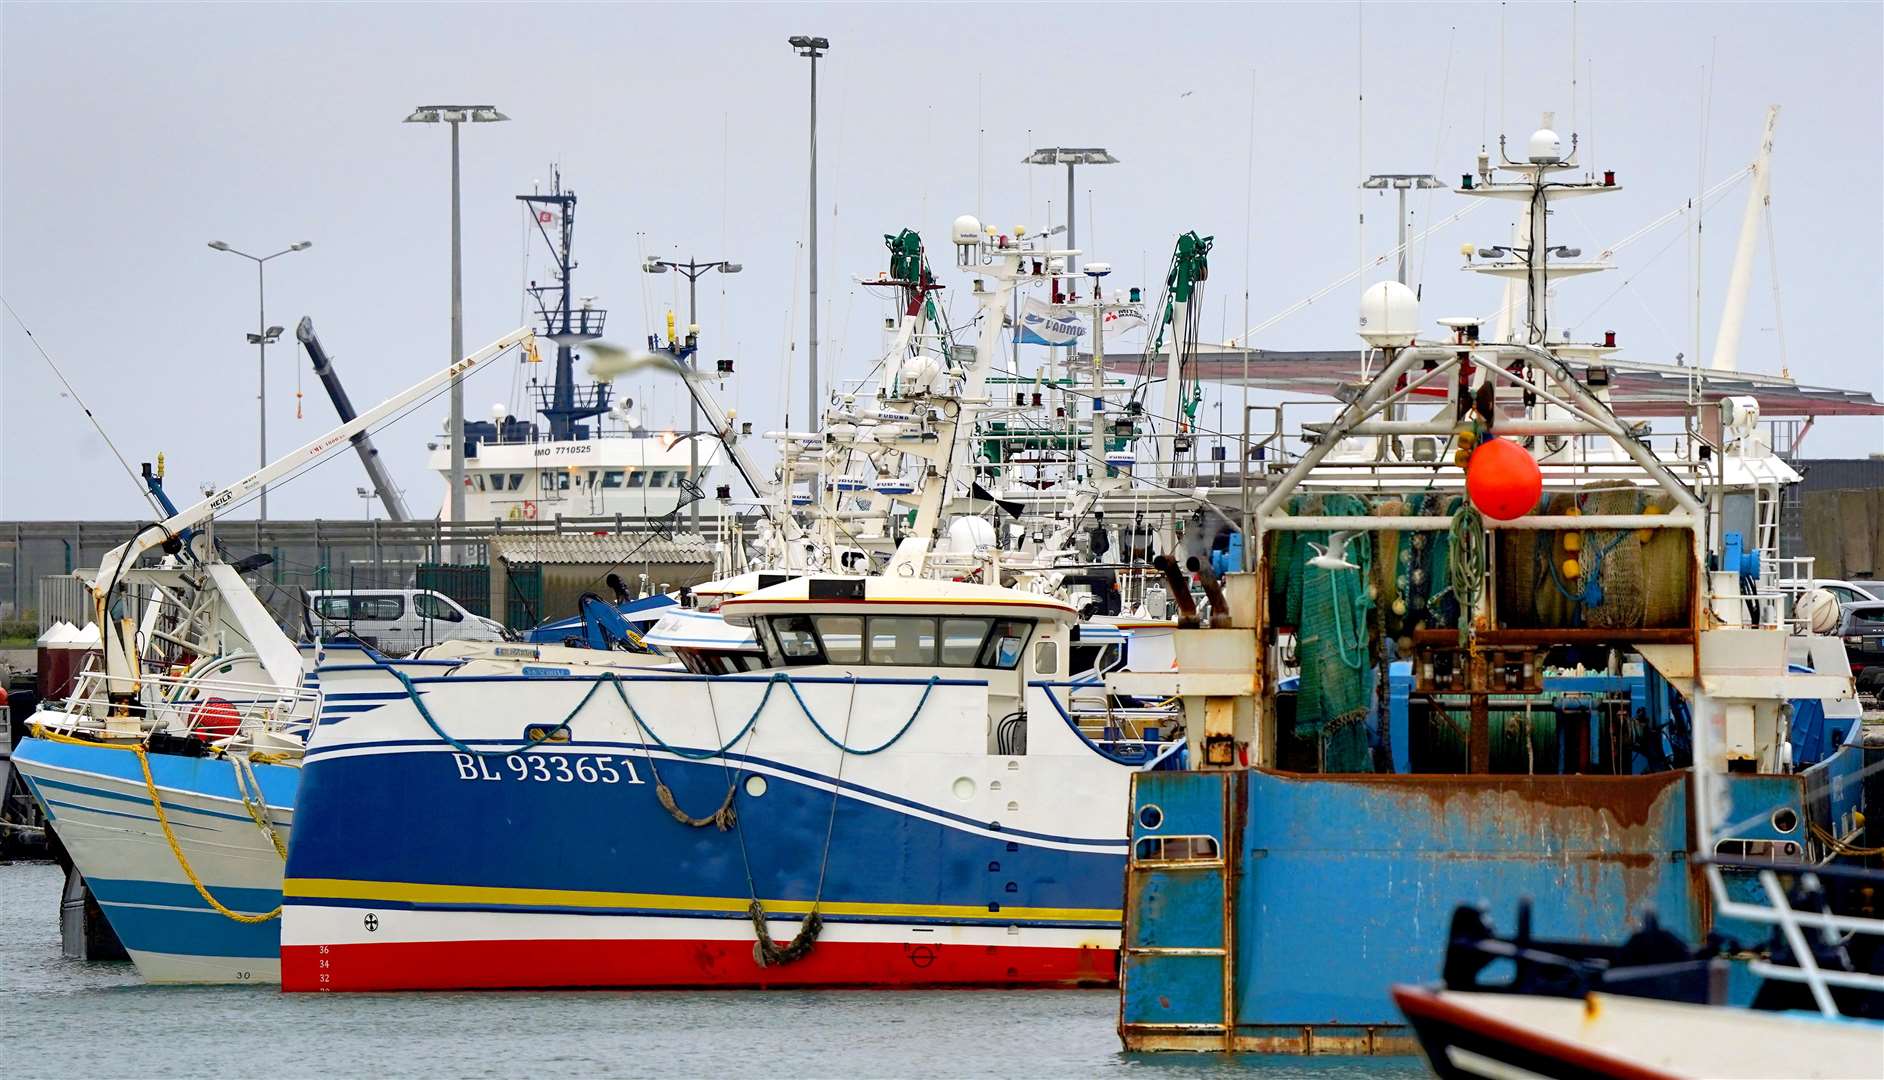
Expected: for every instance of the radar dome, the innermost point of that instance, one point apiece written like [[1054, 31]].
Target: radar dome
[[1545, 148], [967, 229], [966, 535], [1390, 315]]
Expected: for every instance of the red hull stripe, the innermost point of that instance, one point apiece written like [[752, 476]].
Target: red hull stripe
[[523, 965]]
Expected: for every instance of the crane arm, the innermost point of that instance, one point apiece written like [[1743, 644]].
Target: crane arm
[[120, 653], [343, 407]]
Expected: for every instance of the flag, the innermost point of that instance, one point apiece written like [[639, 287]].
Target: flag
[[1040, 324], [1120, 320]]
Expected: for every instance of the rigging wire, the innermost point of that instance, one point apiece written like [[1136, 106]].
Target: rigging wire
[[136, 480], [1439, 142], [1772, 260]]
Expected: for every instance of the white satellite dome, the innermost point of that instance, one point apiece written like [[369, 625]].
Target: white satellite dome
[[967, 229], [1545, 147], [919, 374], [966, 535], [1390, 315]]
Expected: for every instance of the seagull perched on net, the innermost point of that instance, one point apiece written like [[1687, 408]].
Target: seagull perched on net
[[607, 362], [1334, 554]]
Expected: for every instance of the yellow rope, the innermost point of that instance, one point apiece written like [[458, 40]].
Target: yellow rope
[[163, 819], [244, 778], [1843, 847]]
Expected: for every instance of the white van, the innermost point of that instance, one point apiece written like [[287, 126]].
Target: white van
[[397, 622]]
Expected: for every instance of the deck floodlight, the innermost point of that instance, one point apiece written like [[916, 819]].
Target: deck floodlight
[[219, 245], [731, 268], [808, 45]]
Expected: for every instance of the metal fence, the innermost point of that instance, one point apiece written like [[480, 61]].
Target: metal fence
[[38, 558]]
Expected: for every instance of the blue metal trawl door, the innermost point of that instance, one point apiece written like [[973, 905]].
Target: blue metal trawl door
[[1175, 941]]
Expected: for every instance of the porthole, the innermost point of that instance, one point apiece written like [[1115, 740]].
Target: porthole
[[1785, 819], [964, 788], [1150, 816], [755, 785]]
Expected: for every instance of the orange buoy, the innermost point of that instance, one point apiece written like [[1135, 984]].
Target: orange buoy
[[1503, 479]]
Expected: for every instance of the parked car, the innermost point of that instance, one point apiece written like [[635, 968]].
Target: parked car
[[1863, 630], [396, 621], [1849, 592]]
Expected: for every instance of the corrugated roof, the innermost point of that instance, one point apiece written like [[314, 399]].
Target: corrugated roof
[[602, 550]]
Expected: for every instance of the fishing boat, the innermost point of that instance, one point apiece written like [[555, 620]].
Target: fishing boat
[[1481, 652], [1659, 1006], [593, 454], [169, 773], [889, 792]]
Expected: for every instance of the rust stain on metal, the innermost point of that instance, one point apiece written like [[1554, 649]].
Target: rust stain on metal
[[1632, 801]]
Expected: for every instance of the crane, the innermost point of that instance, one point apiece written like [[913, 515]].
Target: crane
[[343, 406]]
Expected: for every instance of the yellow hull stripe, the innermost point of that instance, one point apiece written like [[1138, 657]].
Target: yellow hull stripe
[[409, 893]]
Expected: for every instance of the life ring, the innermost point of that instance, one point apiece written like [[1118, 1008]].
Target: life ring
[[529, 510]]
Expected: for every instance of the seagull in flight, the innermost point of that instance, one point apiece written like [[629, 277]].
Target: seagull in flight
[[607, 362], [1334, 554]]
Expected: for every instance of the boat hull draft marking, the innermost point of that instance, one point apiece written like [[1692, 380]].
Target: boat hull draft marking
[[97, 802]]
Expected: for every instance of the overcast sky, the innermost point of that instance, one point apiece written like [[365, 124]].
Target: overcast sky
[[130, 135]]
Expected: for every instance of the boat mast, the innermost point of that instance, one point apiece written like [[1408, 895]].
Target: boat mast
[[563, 323]]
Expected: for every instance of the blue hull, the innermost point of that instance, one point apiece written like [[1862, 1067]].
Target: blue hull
[[1336, 887], [96, 802]]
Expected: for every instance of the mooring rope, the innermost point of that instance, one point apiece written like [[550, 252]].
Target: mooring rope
[[1465, 564]]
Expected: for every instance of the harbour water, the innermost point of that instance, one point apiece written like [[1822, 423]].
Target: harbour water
[[68, 1018]]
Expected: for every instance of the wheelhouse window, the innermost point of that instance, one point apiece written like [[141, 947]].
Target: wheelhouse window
[[613, 479], [893, 640], [843, 638], [961, 641], [657, 478], [902, 640], [797, 641], [636, 478], [1003, 649]]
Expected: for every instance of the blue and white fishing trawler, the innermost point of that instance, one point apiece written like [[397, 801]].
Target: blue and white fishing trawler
[[892, 784], [1518, 635], [169, 774]]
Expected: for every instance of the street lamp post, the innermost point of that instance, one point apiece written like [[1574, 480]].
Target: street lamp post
[[812, 47], [455, 115], [693, 268], [1070, 156], [263, 337]]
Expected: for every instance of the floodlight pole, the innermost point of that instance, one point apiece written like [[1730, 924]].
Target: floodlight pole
[[261, 339], [812, 48], [693, 268], [455, 115], [1401, 183]]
